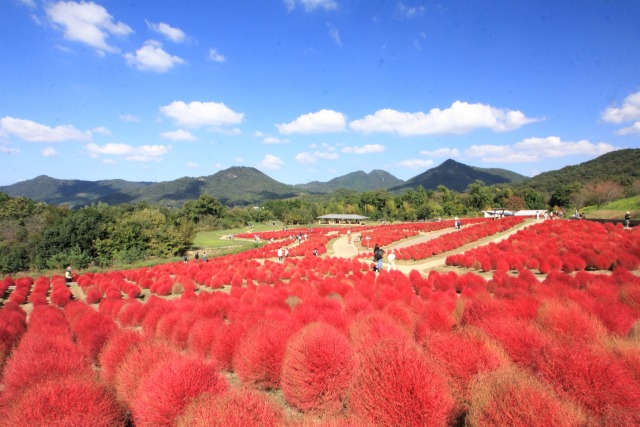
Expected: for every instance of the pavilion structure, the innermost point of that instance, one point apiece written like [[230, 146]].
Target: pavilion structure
[[346, 219]]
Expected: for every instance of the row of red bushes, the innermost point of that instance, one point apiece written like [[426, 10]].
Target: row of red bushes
[[566, 246]]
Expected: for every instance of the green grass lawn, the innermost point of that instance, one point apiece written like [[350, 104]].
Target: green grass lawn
[[615, 209]]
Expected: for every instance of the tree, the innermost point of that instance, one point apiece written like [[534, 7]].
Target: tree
[[206, 205], [479, 195], [604, 192]]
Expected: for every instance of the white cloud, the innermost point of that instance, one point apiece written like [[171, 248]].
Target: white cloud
[[87, 23], [403, 11], [634, 128], [274, 140], [151, 57], [192, 165], [552, 146], [334, 34], [143, 153], [628, 112], [101, 130], [109, 162], [130, 118], [215, 56], [201, 113], [534, 149], [176, 35], [416, 163], [365, 149], [309, 158], [324, 121], [238, 160], [442, 152], [271, 162], [179, 135], [311, 5], [35, 132], [8, 150], [49, 152], [460, 118], [305, 158]]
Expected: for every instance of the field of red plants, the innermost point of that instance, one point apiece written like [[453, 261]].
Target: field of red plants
[[549, 334]]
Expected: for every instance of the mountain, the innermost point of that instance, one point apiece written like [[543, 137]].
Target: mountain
[[457, 176], [71, 191], [356, 181], [237, 185], [618, 166]]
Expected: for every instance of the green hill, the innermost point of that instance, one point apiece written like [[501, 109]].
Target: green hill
[[354, 181], [457, 176], [620, 166]]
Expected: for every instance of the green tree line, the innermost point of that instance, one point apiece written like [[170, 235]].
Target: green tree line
[[39, 236]]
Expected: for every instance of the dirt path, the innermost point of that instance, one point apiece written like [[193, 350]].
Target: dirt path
[[343, 249]]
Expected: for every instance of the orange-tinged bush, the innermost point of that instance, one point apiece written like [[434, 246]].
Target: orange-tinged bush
[[317, 369], [72, 401], [258, 359], [510, 397], [396, 384], [170, 387], [235, 408], [114, 351]]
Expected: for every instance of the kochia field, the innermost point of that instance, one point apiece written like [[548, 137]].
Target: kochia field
[[539, 327]]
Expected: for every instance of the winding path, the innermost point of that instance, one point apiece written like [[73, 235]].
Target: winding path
[[343, 249]]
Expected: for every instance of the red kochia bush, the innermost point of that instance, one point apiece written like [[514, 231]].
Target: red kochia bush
[[317, 369], [135, 365], [258, 358], [68, 401], [510, 397], [114, 351], [39, 358], [172, 385], [595, 379], [235, 408], [397, 385]]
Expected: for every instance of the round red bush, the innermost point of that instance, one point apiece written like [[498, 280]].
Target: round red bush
[[235, 408], [509, 397], [167, 390], [67, 401], [317, 369], [397, 385]]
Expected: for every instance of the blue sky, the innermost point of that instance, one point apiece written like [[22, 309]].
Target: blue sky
[[309, 90]]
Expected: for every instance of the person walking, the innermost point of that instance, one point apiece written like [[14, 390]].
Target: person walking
[[627, 219], [68, 277], [391, 258], [279, 254]]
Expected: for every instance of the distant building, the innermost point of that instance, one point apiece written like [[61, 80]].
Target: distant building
[[341, 219], [496, 212]]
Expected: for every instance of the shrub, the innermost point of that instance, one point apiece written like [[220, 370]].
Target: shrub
[[135, 365], [464, 354], [258, 358], [114, 351], [64, 401], [235, 408], [397, 385], [169, 388], [41, 357], [594, 378], [371, 327], [317, 369], [510, 397]]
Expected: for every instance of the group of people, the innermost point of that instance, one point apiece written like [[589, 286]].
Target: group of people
[[196, 257], [378, 254], [283, 251]]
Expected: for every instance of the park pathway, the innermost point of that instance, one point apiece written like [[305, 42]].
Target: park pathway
[[343, 249]]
